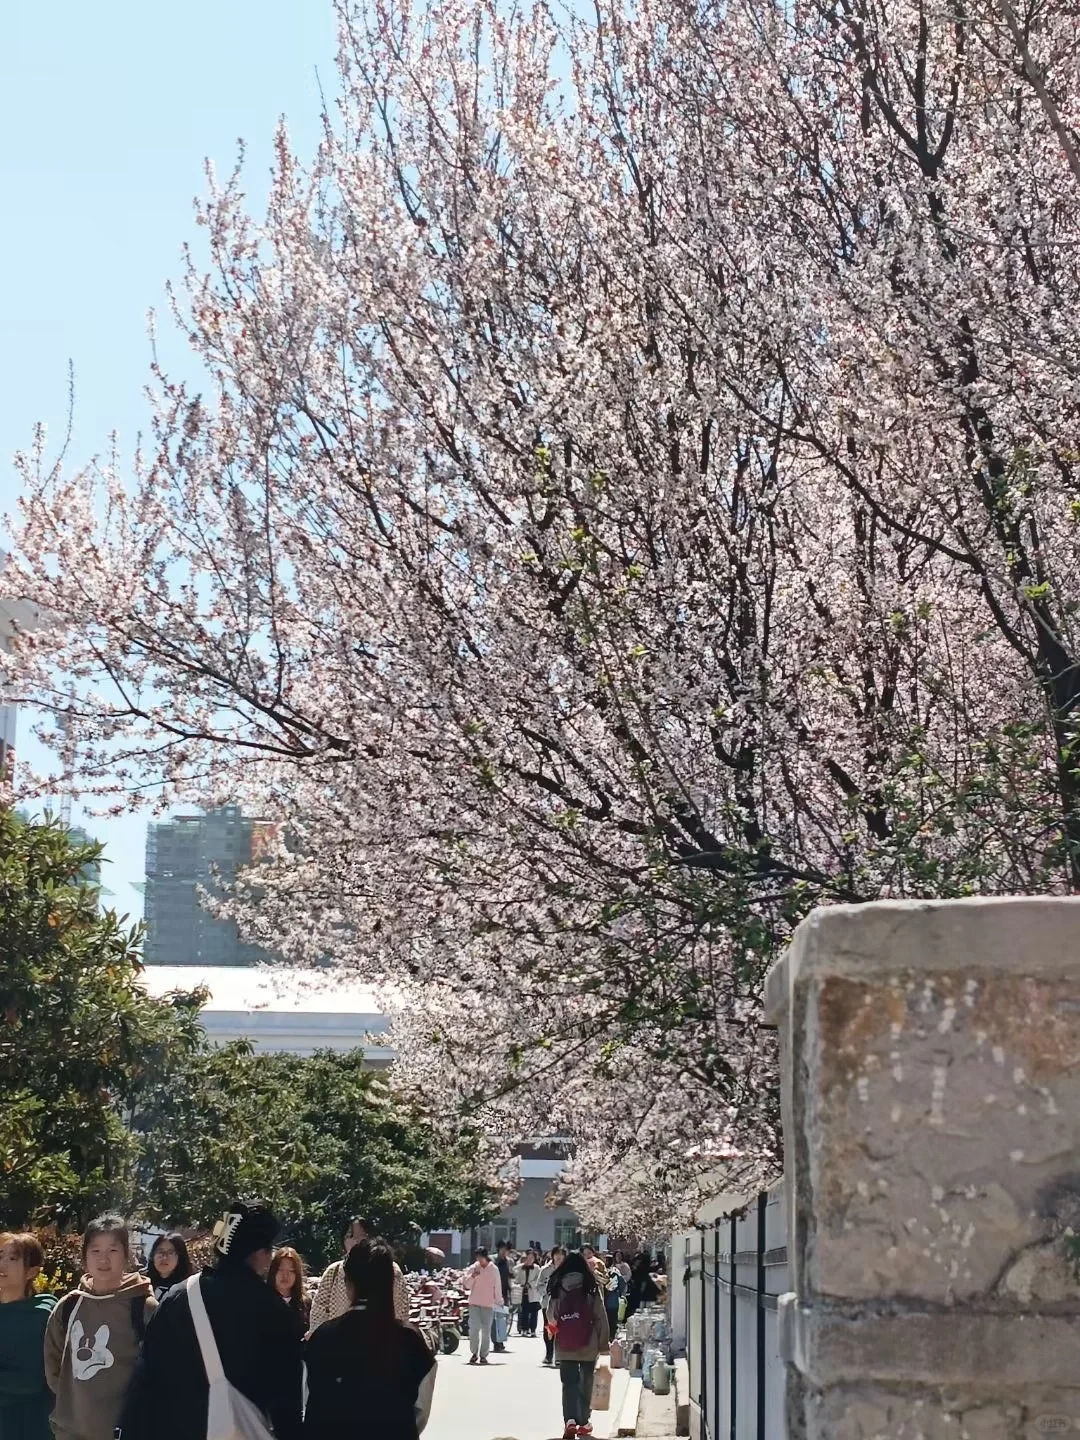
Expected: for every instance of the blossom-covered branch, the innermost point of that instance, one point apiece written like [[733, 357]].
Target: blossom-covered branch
[[632, 499]]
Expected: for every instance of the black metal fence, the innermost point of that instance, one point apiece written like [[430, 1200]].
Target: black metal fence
[[735, 1268]]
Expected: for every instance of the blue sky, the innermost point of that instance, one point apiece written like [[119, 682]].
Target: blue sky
[[107, 113]]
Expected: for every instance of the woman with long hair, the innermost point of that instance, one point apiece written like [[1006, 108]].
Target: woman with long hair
[[576, 1311], [169, 1264], [25, 1400], [368, 1374], [286, 1278]]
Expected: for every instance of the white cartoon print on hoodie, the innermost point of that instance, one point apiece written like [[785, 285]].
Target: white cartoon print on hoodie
[[87, 1358]]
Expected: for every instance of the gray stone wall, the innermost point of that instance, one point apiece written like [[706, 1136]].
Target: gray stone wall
[[931, 1093]]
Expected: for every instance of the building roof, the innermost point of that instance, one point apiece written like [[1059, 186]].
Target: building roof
[[267, 988], [279, 1008]]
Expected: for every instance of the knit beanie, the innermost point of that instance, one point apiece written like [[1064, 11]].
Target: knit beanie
[[247, 1226]]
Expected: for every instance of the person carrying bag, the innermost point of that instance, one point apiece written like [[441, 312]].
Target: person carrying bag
[[230, 1415], [222, 1358], [576, 1309]]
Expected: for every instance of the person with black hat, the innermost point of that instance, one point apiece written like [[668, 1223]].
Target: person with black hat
[[258, 1343]]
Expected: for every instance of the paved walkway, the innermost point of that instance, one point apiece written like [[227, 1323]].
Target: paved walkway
[[511, 1398]]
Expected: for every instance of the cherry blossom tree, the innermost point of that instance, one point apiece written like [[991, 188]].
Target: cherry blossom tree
[[632, 499]]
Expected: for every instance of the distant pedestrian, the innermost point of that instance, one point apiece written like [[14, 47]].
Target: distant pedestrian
[[622, 1266], [614, 1288], [250, 1326], [331, 1297], [25, 1398], [576, 1309], [547, 1270], [286, 1278], [505, 1266], [368, 1374], [483, 1284], [642, 1289], [527, 1278], [94, 1335], [169, 1264]]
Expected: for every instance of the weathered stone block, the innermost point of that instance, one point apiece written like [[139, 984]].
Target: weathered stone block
[[935, 1349], [930, 1063], [931, 1056], [864, 1412]]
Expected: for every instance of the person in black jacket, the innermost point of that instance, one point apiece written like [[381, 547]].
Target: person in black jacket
[[502, 1264], [642, 1289], [257, 1340], [368, 1374]]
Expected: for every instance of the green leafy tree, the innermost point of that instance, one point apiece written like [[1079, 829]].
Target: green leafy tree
[[113, 1097], [320, 1137], [78, 1036]]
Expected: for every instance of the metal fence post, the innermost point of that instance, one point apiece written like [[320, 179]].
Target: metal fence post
[[716, 1330], [762, 1201], [733, 1357], [703, 1397], [686, 1289]]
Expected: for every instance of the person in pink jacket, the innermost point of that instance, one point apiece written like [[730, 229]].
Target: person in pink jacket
[[484, 1286]]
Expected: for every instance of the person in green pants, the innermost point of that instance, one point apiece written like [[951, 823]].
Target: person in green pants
[[25, 1398]]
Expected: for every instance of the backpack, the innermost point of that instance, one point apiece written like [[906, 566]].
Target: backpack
[[574, 1321], [138, 1314], [229, 1415]]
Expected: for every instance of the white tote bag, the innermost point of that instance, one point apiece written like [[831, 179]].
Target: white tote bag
[[230, 1416]]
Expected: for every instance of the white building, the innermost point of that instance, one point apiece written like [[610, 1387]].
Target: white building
[[530, 1220], [278, 1009]]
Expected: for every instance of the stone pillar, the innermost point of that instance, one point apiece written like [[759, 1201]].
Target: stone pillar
[[931, 1099]]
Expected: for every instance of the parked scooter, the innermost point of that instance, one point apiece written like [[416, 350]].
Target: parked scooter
[[454, 1321]]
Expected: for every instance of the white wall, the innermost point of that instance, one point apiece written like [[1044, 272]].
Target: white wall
[[535, 1221]]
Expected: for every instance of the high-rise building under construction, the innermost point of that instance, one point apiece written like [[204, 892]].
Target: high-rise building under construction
[[184, 857]]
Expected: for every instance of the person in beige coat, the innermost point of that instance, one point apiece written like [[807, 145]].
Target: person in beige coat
[[94, 1336], [332, 1297]]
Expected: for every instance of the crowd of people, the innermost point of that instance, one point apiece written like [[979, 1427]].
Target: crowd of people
[[583, 1298], [133, 1353]]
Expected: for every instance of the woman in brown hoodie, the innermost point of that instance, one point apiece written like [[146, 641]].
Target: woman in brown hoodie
[[94, 1335]]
